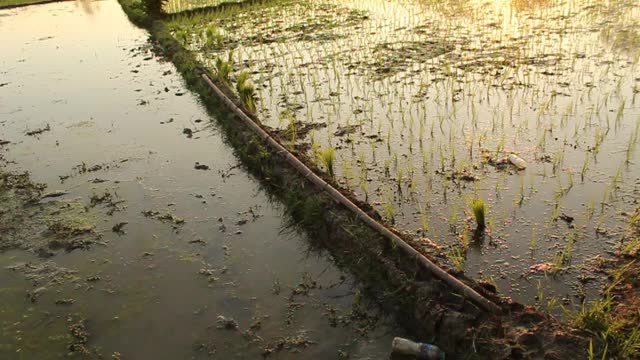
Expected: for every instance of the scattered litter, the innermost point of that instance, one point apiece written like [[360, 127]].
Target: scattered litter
[[517, 161], [541, 267], [422, 351]]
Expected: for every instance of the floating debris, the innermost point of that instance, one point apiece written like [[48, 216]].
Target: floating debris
[[39, 131]]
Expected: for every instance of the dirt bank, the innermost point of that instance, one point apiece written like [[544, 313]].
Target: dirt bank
[[422, 303]]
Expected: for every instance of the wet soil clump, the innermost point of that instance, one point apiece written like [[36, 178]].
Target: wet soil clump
[[29, 222]]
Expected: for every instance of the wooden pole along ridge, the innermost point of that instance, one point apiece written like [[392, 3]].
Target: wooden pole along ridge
[[441, 274]]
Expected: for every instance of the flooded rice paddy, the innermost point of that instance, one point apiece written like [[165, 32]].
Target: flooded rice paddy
[[422, 102], [192, 261]]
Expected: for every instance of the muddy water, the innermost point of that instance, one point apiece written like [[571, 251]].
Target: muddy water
[[116, 117]]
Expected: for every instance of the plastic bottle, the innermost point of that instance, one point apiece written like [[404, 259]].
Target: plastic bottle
[[517, 161], [421, 351]]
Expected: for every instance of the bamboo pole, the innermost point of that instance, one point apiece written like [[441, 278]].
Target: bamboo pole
[[436, 270]]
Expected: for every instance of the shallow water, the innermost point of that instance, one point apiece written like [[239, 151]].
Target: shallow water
[[156, 291], [431, 90]]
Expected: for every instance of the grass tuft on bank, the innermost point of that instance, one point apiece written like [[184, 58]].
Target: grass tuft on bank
[[615, 318]]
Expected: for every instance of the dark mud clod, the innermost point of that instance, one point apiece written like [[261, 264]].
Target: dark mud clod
[[79, 338], [65, 301], [118, 228], [566, 218], [39, 131], [226, 323], [199, 166]]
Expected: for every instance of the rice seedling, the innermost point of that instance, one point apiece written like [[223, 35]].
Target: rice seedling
[[465, 238], [214, 39], [224, 68], [346, 173], [563, 257], [591, 206], [453, 217], [585, 165], [327, 157], [246, 91], [630, 148], [389, 211], [424, 220], [533, 241], [457, 257], [365, 188], [479, 210], [620, 113], [539, 293]]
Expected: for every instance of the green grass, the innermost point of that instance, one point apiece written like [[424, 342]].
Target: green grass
[[620, 334], [614, 319]]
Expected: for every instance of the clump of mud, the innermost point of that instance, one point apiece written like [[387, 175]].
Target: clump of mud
[[79, 338], [288, 343], [44, 227]]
